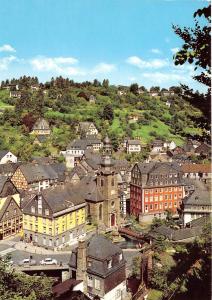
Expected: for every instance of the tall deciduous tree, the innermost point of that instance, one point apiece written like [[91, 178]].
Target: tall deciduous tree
[[196, 50]]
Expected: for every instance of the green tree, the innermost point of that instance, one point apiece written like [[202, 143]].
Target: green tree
[[19, 286], [134, 88], [197, 50], [105, 83], [108, 112]]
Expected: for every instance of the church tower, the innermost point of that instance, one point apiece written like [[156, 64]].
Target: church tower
[[108, 186]]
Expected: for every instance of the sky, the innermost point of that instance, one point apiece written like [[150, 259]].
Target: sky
[[126, 41]]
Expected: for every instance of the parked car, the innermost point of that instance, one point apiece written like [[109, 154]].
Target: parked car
[[48, 261], [27, 262]]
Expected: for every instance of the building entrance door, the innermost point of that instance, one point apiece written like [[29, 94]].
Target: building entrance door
[[113, 220]]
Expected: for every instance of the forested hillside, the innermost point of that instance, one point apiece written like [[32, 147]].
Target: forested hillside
[[117, 111]]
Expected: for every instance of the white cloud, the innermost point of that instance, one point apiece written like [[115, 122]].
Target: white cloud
[[175, 50], [103, 68], [6, 61], [159, 77], [59, 65], [151, 64], [7, 48], [156, 51]]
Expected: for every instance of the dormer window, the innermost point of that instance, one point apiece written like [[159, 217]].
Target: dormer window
[[33, 209], [47, 212], [109, 264]]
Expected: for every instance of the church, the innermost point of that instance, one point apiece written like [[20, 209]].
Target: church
[[100, 190]]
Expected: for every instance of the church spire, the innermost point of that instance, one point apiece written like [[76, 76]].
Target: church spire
[[107, 152]]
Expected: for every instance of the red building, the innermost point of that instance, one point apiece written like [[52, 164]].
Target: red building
[[155, 188]]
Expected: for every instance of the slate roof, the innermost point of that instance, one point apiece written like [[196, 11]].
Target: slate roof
[[87, 188], [41, 124], [203, 148], [196, 168], [176, 235], [84, 126], [58, 198], [3, 153], [5, 206], [79, 171], [134, 142], [34, 173], [62, 197], [157, 143], [8, 168], [99, 249], [65, 287], [158, 167], [82, 144], [3, 180], [200, 221], [198, 198], [41, 138]]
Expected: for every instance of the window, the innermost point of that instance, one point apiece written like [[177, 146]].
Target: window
[[146, 199], [146, 191], [109, 264], [32, 209], [170, 189], [112, 182], [156, 198], [97, 284], [102, 182], [63, 239], [165, 205], [151, 198], [46, 212], [146, 208], [120, 256], [90, 281], [44, 229], [166, 197], [151, 206], [100, 211], [175, 196], [156, 206], [161, 198], [170, 196]]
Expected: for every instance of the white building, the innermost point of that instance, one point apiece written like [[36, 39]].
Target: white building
[[7, 157], [133, 146]]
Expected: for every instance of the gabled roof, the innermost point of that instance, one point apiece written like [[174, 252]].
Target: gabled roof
[[84, 126], [8, 168], [58, 198], [5, 206], [203, 148], [3, 153], [41, 124], [34, 173]]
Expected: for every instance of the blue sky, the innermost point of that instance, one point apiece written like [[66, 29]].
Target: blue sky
[[125, 41]]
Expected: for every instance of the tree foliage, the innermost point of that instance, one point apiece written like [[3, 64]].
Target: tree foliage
[[18, 286], [196, 50]]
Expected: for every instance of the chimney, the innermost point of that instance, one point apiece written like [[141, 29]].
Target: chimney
[[81, 263]]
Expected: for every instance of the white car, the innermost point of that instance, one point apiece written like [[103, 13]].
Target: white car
[[27, 262], [48, 261]]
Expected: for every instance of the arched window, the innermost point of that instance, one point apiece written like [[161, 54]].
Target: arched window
[[100, 212]]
